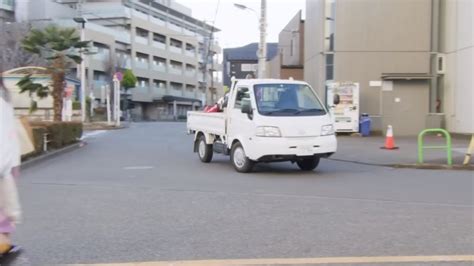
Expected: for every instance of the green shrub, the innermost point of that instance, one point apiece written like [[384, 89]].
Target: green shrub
[[61, 134], [76, 105]]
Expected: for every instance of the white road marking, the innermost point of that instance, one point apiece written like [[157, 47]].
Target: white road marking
[[301, 261], [91, 134], [138, 167]]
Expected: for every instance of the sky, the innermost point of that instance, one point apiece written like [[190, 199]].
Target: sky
[[240, 27]]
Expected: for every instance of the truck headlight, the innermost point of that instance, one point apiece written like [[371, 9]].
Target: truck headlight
[[268, 132], [327, 130]]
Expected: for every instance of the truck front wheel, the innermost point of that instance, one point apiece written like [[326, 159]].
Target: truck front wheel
[[204, 150], [308, 164], [240, 161]]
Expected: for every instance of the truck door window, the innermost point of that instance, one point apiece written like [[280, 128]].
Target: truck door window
[[242, 93]]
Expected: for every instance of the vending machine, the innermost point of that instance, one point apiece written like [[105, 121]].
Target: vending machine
[[343, 103]]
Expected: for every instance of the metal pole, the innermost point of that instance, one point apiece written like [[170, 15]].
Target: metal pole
[[262, 49], [107, 92], [83, 77], [117, 101]]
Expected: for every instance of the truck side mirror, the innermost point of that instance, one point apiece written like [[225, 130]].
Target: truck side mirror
[[337, 99], [246, 107]]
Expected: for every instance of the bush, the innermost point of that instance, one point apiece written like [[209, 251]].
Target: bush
[[60, 134], [76, 105]]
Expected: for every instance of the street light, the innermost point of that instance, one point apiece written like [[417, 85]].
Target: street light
[[82, 21], [262, 45]]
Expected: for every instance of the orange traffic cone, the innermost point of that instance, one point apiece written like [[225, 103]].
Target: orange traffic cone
[[389, 140]]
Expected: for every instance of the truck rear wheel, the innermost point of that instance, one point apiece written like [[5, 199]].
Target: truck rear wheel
[[240, 161], [205, 151], [308, 164]]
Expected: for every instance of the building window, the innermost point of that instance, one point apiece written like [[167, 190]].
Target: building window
[[329, 66]]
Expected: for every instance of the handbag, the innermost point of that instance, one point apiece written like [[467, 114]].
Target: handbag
[[9, 200]]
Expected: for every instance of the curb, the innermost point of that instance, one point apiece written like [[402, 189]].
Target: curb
[[413, 166], [49, 155], [435, 167]]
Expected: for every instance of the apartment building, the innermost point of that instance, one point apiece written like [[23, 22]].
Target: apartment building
[[172, 54], [289, 61], [242, 61], [396, 51]]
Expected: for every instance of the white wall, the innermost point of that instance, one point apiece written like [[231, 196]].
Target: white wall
[[457, 43]]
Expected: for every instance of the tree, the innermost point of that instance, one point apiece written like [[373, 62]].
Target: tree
[[129, 80], [61, 48]]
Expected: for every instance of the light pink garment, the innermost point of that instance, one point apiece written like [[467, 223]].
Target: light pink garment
[[6, 225]]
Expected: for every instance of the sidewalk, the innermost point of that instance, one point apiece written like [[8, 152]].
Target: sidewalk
[[367, 150]]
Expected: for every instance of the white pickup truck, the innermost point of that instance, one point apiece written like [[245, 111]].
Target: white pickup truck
[[266, 120]]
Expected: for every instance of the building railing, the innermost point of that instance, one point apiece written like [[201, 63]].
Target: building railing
[[190, 73], [158, 91], [157, 21], [190, 53], [176, 50], [174, 27], [189, 94], [159, 45], [175, 92], [159, 67], [174, 70], [141, 64], [101, 56], [141, 40]]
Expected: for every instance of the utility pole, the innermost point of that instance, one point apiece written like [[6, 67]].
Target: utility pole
[[262, 47]]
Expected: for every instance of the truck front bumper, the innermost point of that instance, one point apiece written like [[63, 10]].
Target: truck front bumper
[[281, 149]]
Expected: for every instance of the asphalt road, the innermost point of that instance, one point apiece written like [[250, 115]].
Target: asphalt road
[[140, 194]]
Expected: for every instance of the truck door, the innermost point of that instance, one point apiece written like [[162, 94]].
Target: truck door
[[240, 125]]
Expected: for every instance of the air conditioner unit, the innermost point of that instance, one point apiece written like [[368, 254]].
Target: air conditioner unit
[[441, 64]]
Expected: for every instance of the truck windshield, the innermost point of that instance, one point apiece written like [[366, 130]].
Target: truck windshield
[[287, 100]]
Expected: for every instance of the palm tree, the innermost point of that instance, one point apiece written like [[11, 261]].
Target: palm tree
[[61, 48]]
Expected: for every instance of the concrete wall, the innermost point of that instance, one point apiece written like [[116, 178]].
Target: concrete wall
[[314, 72], [292, 35], [457, 44], [295, 73], [47, 9], [371, 38]]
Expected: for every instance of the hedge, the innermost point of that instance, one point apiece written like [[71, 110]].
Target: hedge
[[60, 134]]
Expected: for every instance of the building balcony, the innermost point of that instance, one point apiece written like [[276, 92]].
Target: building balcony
[[103, 57], [189, 94], [190, 73], [190, 53], [159, 67], [175, 92], [176, 50], [175, 28], [141, 40], [157, 21], [159, 45], [176, 71], [158, 92], [142, 65]]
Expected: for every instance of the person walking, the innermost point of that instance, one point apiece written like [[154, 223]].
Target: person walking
[[10, 153]]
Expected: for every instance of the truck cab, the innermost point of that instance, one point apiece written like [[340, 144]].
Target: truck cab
[[266, 120]]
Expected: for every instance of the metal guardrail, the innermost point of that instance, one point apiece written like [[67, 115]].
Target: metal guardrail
[[448, 145]]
